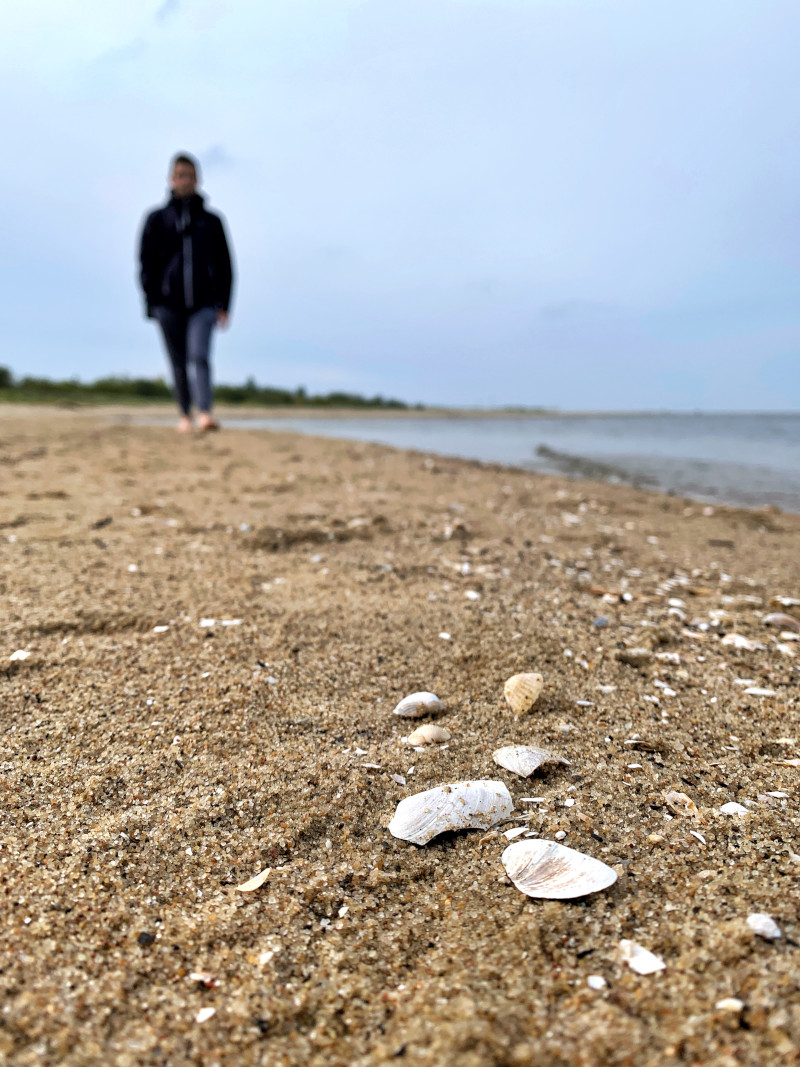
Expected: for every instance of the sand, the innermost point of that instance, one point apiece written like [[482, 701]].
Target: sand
[[151, 762]]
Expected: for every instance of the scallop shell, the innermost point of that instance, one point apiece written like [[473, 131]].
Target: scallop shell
[[418, 704], [429, 734], [522, 691], [554, 872], [481, 804], [524, 759]]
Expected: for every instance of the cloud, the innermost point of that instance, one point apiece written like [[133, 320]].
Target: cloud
[[167, 8]]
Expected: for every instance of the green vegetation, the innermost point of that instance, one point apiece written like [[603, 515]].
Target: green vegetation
[[149, 390]]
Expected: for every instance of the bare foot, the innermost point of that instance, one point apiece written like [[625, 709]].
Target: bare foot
[[185, 425], [206, 423]]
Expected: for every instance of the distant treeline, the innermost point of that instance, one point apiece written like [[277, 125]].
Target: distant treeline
[[156, 389]]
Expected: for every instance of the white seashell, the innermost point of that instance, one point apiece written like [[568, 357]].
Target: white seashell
[[640, 959], [786, 622], [730, 1004], [596, 981], [429, 734], [20, 654], [732, 808], [160, 629], [205, 1014], [740, 641], [515, 831], [522, 691], [255, 882], [758, 691], [460, 806], [551, 871], [764, 925], [417, 705], [524, 759]]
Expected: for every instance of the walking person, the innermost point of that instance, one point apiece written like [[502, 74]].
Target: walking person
[[186, 277]]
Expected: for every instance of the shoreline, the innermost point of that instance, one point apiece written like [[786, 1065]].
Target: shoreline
[[155, 760]]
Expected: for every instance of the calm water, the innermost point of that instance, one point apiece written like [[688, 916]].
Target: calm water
[[750, 459]]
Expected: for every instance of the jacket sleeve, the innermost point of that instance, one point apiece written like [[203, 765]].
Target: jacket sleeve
[[148, 264], [223, 269]]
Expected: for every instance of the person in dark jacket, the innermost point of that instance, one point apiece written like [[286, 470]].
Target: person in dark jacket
[[186, 277]]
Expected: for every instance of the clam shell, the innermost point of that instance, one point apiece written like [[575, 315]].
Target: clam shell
[[522, 691], [481, 804], [554, 872], [429, 734], [524, 759], [418, 704]]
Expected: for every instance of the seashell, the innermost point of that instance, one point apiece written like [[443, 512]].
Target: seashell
[[20, 654], [524, 759], [681, 804], [635, 657], [639, 959], [429, 734], [730, 1004], [418, 704], [785, 622], [732, 808], [742, 642], [460, 806], [764, 925], [205, 1014], [596, 981], [759, 691], [522, 691], [255, 882], [551, 871]]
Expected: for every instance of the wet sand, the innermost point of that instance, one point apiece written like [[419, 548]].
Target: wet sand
[[147, 773]]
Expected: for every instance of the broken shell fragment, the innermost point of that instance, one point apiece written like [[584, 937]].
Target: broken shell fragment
[[639, 959], [765, 926], [732, 808], [524, 759], [635, 657], [463, 805], [551, 871], [681, 804], [254, 883], [418, 704], [785, 622], [522, 691], [429, 734]]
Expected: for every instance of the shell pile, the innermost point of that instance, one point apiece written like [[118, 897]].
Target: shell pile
[[480, 804], [429, 734], [524, 759], [551, 871], [418, 704], [522, 691]]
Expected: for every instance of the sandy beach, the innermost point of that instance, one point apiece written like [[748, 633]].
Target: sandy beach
[[203, 640]]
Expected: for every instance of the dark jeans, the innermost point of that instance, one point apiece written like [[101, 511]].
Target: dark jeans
[[187, 338]]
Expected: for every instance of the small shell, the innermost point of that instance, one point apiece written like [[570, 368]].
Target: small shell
[[639, 959], [429, 734], [255, 882], [785, 622], [551, 871], [418, 704], [765, 926], [522, 691], [480, 804], [732, 808], [635, 657], [681, 804], [524, 759]]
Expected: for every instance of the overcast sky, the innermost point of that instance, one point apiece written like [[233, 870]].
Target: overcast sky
[[569, 203]]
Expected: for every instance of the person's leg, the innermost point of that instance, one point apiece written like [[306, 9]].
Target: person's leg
[[198, 352], [173, 330]]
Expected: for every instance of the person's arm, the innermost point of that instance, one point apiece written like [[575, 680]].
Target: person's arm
[[148, 265], [223, 270]]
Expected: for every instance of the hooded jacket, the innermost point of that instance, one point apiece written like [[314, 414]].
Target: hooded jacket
[[184, 257]]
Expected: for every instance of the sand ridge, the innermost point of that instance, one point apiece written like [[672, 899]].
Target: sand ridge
[[148, 774]]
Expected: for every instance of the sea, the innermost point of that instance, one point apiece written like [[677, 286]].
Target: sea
[[747, 459]]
